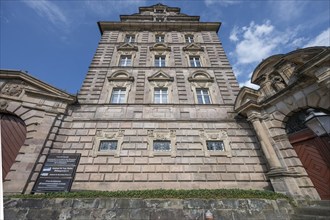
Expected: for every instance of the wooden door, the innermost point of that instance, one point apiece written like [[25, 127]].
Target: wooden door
[[314, 153], [13, 133]]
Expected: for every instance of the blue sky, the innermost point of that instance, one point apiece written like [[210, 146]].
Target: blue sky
[[55, 40]]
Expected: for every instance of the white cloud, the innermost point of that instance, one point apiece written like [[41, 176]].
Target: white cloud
[[323, 39], [221, 2], [258, 41], [233, 34], [48, 10], [249, 84]]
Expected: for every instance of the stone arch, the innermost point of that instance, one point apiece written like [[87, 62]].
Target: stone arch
[[311, 150], [120, 75], [200, 76]]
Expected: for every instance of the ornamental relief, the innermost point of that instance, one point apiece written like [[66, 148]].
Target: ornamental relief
[[271, 84], [161, 135], [160, 84], [110, 134], [13, 88], [3, 105], [213, 135], [120, 83]]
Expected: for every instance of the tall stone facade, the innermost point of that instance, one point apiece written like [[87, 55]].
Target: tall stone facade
[[160, 61], [156, 110]]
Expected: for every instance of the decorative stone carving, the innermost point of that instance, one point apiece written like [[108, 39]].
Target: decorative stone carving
[[127, 47], [13, 88], [215, 135], [160, 47], [193, 47], [169, 135], [3, 105], [102, 135], [277, 82]]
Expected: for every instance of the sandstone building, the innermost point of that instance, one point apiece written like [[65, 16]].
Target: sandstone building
[[158, 109]]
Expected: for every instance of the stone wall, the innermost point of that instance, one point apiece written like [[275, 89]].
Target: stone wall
[[146, 209]]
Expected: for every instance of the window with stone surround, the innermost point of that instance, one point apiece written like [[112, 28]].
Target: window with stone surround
[[108, 145], [125, 60], [119, 86], [189, 38], [159, 11], [130, 38], [215, 143], [161, 145], [161, 142], [160, 38], [195, 61], [161, 87], [160, 61], [108, 142], [159, 19], [118, 95], [160, 95], [203, 96], [203, 87]]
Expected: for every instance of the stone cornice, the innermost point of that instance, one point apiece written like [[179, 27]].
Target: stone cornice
[[158, 26]]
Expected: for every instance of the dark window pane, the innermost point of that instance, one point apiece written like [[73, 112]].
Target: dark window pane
[[161, 145], [108, 145], [215, 145]]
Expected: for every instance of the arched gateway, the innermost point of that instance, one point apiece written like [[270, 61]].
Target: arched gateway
[[13, 133], [298, 160], [312, 150]]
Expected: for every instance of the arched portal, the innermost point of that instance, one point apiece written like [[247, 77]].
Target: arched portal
[[13, 134], [313, 151]]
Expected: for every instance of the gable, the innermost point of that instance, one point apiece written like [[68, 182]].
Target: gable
[[193, 47], [160, 76], [16, 83], [127, 47]]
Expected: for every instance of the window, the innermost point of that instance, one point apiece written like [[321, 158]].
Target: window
[[130, 39], [160, 95], [160, 61], [159, 19], [125, 60], [162, 145], [159, 11], [189, 38], [215, 145], [118, 95], [195, 61], [108, 145], [203, 96], [160, 38]]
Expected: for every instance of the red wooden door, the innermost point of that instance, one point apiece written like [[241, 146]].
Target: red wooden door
[[13, 133], [314, 153]]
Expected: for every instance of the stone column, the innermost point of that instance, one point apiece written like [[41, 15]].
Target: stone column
[[282, 179], [266, 145]]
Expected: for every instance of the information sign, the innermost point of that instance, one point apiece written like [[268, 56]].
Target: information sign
[[57, 173]]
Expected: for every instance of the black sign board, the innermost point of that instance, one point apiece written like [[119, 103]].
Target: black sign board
[[57, 173]]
